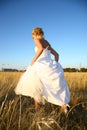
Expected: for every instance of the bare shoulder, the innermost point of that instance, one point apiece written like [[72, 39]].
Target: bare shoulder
[[38, 43], [37, 40], [46, 44]]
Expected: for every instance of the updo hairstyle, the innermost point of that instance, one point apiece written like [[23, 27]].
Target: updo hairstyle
[[38, 31]]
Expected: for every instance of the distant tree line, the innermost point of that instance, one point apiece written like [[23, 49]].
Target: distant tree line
[[65, 70], [11, 70], [75, 70]]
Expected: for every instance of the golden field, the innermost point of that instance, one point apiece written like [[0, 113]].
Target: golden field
[[18, 112]]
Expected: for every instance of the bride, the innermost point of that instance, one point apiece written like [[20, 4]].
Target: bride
[[44, 78]]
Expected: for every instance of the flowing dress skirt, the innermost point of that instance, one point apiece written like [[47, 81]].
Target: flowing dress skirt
[[44, 80]]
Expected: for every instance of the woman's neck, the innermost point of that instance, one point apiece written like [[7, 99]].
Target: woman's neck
[[38, 37]]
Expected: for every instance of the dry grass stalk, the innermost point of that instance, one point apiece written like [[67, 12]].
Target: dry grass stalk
[[17, 112]]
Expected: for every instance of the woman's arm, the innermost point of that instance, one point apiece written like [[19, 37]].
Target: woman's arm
[[39, 51], [56, 55]]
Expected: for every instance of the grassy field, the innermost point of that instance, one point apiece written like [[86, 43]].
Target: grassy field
[[18, 112]]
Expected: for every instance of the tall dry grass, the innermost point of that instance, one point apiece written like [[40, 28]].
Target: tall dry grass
[[18, 112]]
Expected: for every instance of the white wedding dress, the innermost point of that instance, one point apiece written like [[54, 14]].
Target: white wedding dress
[[44, 80]]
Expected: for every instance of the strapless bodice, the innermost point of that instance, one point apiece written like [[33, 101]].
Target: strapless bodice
[[35, 48]]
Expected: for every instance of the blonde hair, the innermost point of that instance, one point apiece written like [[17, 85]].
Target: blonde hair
[[38, 31]]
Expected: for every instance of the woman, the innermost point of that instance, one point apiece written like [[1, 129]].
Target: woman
[[44, 78]]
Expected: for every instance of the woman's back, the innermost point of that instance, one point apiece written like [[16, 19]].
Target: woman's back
[[45, 43]]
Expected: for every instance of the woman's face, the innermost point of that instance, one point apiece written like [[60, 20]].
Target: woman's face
[[36, 36], [33, 36]]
